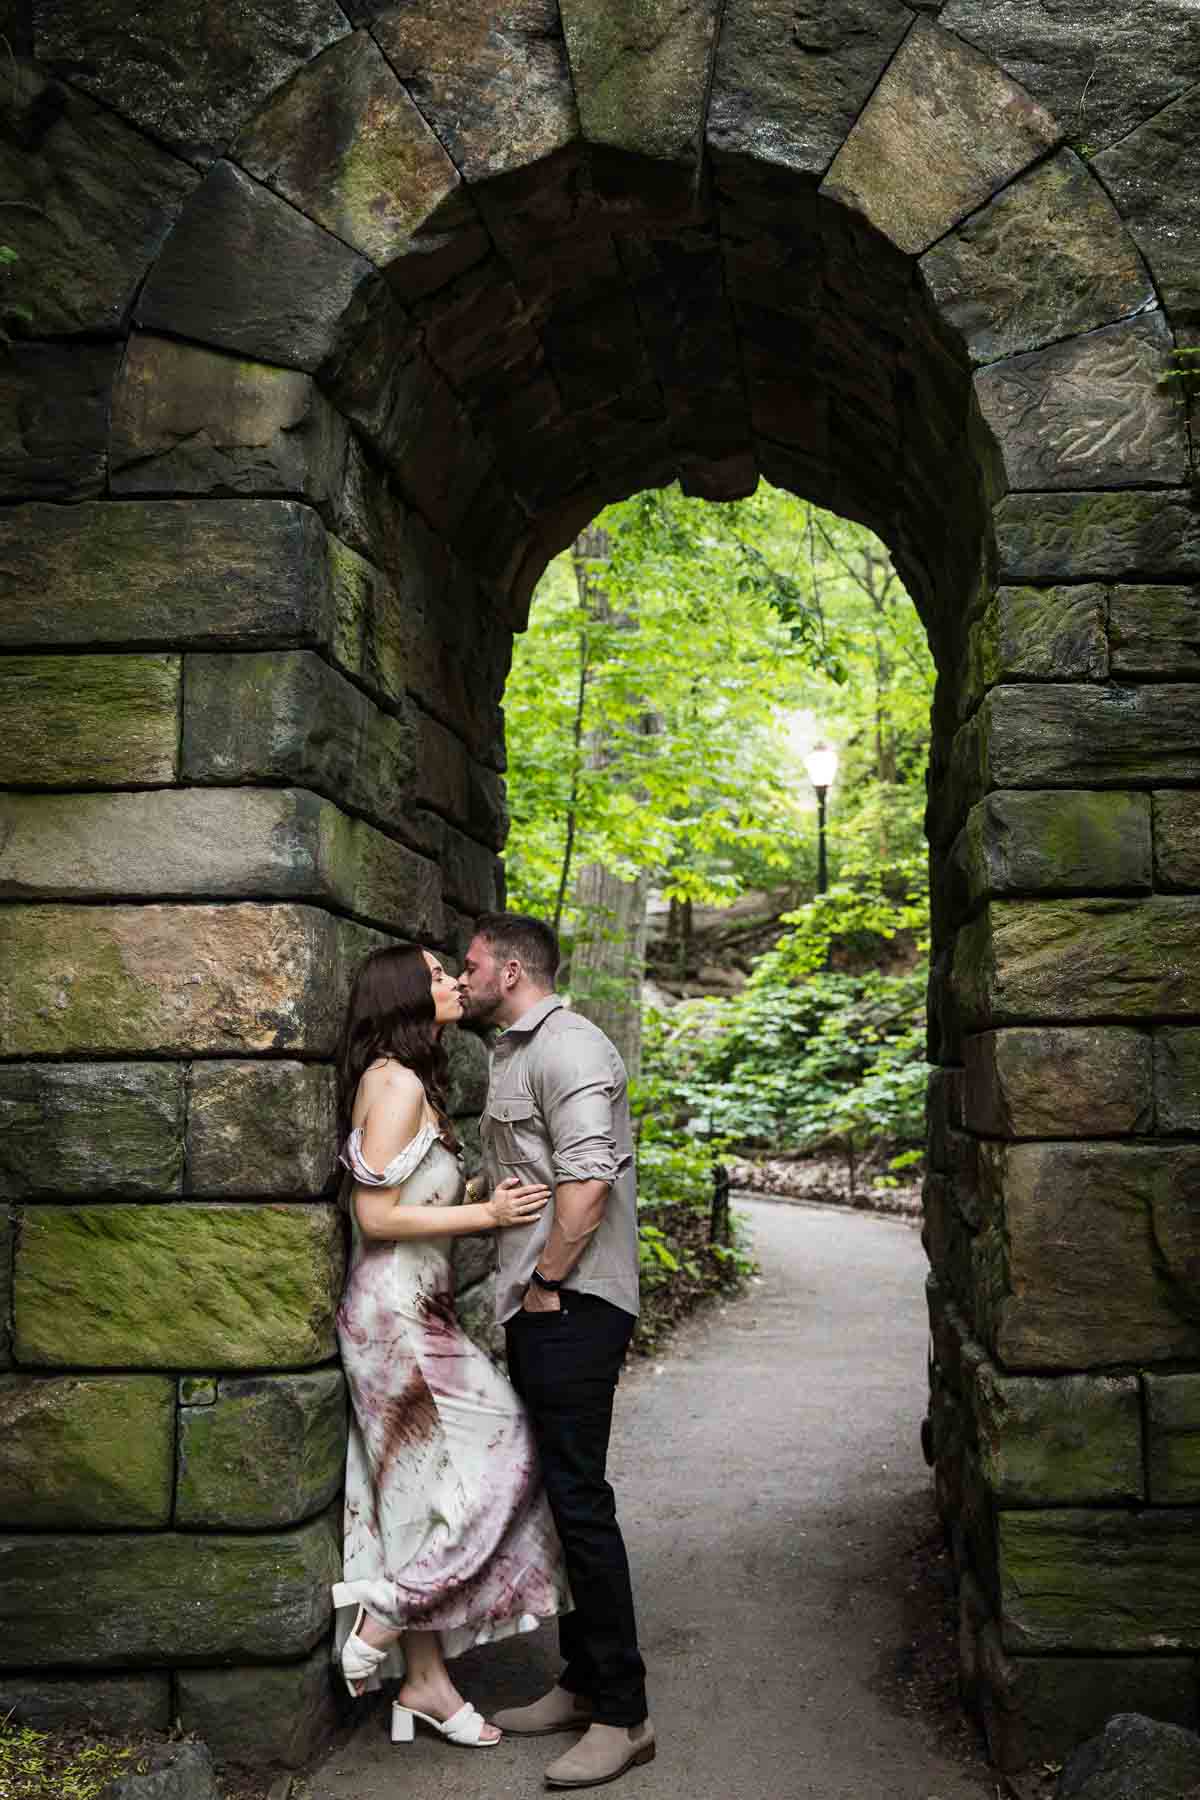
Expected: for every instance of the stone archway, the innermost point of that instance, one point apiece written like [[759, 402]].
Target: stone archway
[[342, 324]]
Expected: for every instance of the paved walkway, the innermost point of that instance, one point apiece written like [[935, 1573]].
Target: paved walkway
[[770, 1483]]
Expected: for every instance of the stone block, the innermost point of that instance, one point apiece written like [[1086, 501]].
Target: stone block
[[270, 1451], [1081, 60], [787, 89], [1155, 631], [470, 873], [122, 1599], [178, 573], [244, 271], [1064, 842], [258, 1128], [382, 880], [370, 623], [86, 1452], [1100, 1580], [1133, 1758], [288, 716], [261, 1717], [492, 79], [346, 145], [1173, 1439], [472, 1260], [943, 1113], [1079, 959], [1100, 1253], [943, 108], [7, 1237], [103, 1703], [1046, 259], [1075, 735], [125, 980], [90, 1128], [188, 84], [468, 1073], [1036, 634], [1177, 1079], [1152, 175], [1059, 1081], [92, 201], [1036, 1709], [188, 420], [1177, 839], [181, 1286], [453, 784], [1132, 536], [1058, 1441], [476, 1310], [1091, 412], [640, 88], [88, 721], [54, 420]]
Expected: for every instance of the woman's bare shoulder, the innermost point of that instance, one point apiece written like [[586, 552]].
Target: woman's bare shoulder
[[392, 1078]]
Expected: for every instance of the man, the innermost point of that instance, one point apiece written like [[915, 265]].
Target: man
[[567, 1295]]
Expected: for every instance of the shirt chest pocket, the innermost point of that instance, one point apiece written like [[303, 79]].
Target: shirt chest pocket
[[513, 1128]]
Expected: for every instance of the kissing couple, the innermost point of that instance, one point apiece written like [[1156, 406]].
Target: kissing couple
[[478, 1506]]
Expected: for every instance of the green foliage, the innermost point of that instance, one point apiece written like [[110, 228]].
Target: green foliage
[[37, 1766]]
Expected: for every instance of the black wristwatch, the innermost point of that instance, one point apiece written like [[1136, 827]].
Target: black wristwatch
[[544, 1281]]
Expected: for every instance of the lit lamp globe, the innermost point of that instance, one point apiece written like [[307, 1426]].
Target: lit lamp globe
[[821, 763]]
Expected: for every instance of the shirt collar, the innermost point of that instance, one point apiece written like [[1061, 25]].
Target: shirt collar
[[533, 1015]]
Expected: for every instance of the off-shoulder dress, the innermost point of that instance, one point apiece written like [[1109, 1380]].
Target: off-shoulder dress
[[446, 1525]]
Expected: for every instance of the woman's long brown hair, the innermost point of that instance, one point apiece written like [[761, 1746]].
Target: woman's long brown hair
[[391, 1013]]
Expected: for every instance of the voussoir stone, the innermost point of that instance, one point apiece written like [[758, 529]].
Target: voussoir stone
[[176, 573], [86, 1451], [789, 82], [1062, 1440], [1152, 175], [943, 108], [116, 1703], [121, 1599], [1060, 842], [640, 76], [1177, 1079], [244, 271], [1131, 536], [270, 1451], [261, 1717], [1089, 412], [1046, 259], [54, 420], [261, 1128], [184, 1286], [1058, 1081], [88, 721], [1100, 1580], [95, 200], [90, 1128], [187, 78], [194, 421], [1173, 1439], [128, 979]]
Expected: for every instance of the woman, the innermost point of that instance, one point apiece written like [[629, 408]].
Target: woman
[[448, 1539]]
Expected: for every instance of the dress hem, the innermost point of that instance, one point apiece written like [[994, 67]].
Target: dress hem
[[456, 1639]]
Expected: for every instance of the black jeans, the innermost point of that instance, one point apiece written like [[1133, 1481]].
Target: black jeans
[[565, 1366]]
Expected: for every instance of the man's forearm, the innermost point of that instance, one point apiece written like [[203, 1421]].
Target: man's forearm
[[578, 1210]]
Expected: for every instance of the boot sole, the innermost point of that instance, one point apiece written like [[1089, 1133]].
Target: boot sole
[[644, 1755]]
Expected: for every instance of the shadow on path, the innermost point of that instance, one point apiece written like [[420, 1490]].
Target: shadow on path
[[770, 1483]]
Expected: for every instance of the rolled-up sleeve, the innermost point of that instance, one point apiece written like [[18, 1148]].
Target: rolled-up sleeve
[[577, 1086]]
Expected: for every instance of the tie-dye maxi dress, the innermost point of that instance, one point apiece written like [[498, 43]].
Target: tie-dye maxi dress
[[446, 1525]]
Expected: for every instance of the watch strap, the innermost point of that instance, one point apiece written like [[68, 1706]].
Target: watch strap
[[544, 1281]]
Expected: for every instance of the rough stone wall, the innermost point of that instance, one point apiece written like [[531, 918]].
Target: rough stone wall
[[340, 321]]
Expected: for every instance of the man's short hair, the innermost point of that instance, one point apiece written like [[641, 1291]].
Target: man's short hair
[[527, 940]]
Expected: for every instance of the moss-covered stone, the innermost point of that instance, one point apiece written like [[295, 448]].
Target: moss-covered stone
[[1068, 1440], [270, 1451], [1079, 959], [1155, 631], [1059, 1081], [1067, 842], [380, 879], [181, 1286], [287, 716], [1135, 536], [1047, 258], [129, 979], [1035, 634], [1075, 735], [91, 1128], [468, 1073], [1100, 1252], [176, 573], [1114, 1581], [641, 87], [1177, 839], [88, 721], [7, 1235], [261, 1717], [259, 1128], [122, 1599], [1173, 1439], [117, 1703], [86, 1451], [944, 108], [369, 623], [1177, 1079], [193, 421], [246, 272]]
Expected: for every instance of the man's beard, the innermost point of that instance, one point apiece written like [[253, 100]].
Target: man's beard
[[479, 1011]]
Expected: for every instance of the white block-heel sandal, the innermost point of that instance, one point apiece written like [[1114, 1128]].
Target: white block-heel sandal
[[466, 1726], [360, 1660]]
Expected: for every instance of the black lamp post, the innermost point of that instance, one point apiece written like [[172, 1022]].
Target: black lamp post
[[821, 763]]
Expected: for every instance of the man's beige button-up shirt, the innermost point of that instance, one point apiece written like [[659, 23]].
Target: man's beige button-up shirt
[[558, 1110]]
